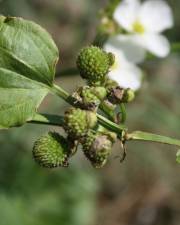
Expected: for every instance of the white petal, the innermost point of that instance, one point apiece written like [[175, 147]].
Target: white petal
[[119, 55], [124, 73], [156, 44], [127, 77], [126, 13], [156, 15], [131, 49]]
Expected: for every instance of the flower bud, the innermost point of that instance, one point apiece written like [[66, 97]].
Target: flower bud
[[51, 150], [78, 121], [93, 64]]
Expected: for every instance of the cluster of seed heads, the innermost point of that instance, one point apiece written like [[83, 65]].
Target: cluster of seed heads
[[80, 122]]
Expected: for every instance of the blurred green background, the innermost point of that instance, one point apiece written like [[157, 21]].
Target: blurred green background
[[144, 190]]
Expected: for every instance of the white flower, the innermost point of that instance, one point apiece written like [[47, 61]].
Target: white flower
[[126, 74], [145, 22]]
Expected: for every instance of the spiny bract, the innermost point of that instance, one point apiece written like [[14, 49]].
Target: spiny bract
[[78, 121], [94, 64], [51, 150]]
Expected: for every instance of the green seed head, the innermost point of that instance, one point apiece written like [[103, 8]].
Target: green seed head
[[93, 95], [93, 64], [88, 96], [51, 150], [78, 121], [100, 92], [97, 148]]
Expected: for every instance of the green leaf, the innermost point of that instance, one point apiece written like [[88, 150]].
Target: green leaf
[[145, 136], [178, 157], [28, 57]]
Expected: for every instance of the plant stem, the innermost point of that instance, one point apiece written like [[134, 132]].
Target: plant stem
[[123, 113], [144, 136], [55, 120], [110, 125], [60, 92], [47, 119]]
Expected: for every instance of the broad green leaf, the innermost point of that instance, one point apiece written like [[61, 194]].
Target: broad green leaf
[[28, 58], [178, 157]]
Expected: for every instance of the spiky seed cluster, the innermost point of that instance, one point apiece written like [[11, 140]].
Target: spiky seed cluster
[[78, 121], [97, 148], [51, 150], [93, 64]]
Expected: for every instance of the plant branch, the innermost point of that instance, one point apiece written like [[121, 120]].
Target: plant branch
[[102, 120], [111, 125], [56, 120], [136, 135]]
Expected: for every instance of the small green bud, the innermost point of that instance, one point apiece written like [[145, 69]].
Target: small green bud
[[51, 150], [78, 121], [93, 64], [97, 148]]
